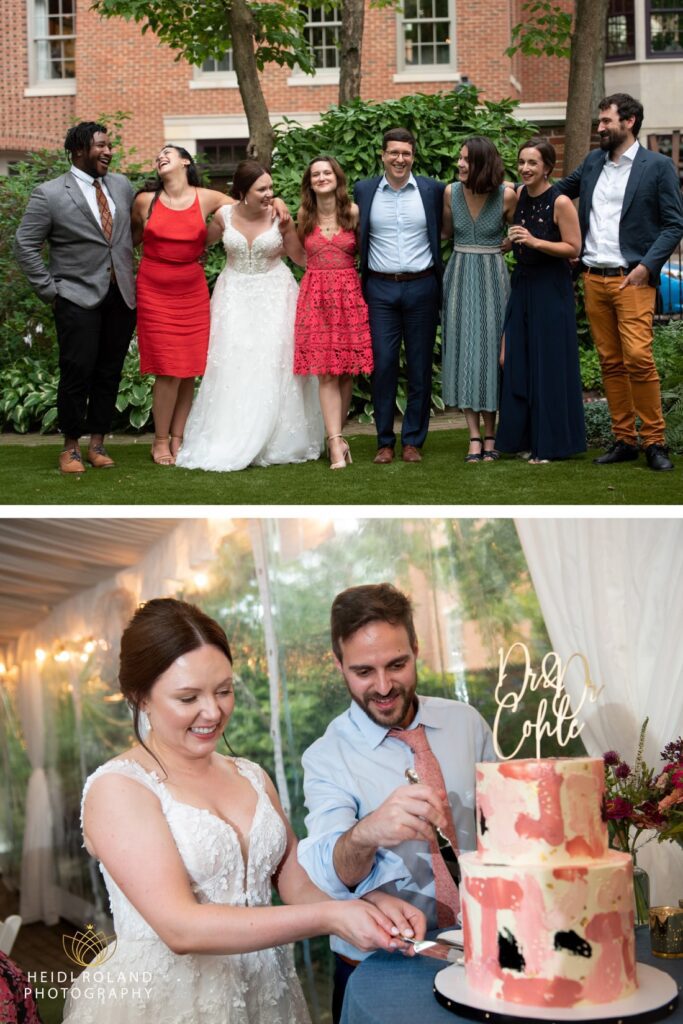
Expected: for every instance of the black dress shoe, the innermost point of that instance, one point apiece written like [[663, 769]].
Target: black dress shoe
[[657, 456], [619, 452]]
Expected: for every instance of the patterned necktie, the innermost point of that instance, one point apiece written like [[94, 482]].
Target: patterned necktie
[[429, 772], [105, 212]]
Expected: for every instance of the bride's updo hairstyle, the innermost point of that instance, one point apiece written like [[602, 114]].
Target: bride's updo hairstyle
[[160, 632], [246, 173]]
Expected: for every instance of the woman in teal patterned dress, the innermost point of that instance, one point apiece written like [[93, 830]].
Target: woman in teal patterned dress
[[476, 210]]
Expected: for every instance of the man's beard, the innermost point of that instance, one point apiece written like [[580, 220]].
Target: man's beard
[[398, 714], [609, 142]]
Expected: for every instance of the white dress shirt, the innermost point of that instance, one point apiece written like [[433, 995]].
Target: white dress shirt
[[356, 765], [86, 183], [602, 239], [398, 242]]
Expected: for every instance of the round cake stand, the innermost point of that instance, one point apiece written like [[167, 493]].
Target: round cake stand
[[655, 999]]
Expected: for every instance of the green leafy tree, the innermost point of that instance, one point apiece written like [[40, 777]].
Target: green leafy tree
[[258, 33], [552, 31]]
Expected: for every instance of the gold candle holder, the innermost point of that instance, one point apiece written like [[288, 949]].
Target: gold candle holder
[[666, 931]]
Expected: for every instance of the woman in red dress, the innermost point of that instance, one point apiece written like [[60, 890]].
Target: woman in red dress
[[172, 294], [332, 333]]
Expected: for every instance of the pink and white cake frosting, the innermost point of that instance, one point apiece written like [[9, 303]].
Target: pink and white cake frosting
[[547, 907]]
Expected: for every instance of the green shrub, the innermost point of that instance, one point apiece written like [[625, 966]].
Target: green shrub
[[591, 375], [668, 353], [598, 424]]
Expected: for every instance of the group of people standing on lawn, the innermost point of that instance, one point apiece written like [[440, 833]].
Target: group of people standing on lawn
[[278, 361]]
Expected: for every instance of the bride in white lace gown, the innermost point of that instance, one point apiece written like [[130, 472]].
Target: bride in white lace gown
[[190, 843], [251, 409]]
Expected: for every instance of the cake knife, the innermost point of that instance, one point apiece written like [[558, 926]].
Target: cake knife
[[445, 846]]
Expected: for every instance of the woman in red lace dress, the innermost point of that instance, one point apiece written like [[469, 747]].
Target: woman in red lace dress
[[332, 333]]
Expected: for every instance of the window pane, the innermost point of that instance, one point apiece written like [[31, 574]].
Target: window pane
[[427, 33], [54, 23], [666, 33]]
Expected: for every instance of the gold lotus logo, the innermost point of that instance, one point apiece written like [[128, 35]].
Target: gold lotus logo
[[89, 948]]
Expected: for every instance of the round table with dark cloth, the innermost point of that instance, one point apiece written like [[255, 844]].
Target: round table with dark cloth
[[389, 988]]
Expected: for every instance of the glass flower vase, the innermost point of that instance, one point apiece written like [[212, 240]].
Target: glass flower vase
[[641, 895]]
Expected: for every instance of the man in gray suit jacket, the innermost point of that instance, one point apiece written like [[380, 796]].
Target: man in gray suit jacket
[[631, 217], [88, 280]]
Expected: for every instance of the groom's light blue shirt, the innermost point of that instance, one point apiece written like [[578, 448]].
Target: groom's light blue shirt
[[356, 765]]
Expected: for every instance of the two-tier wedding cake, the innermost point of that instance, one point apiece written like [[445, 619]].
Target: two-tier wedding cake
[[547, 907]]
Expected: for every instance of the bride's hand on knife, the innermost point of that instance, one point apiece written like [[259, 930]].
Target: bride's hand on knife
[[363, 925]]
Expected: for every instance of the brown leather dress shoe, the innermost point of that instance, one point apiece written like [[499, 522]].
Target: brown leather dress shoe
[[98, 458], [384, 455], [411, 453], [70, 461]]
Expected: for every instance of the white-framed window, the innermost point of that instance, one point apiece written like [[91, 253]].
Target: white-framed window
[[321, 30], [52, 46], [426, 40], [215, 73], [322, 33]]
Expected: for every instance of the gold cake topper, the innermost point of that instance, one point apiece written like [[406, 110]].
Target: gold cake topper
[[554, 716]]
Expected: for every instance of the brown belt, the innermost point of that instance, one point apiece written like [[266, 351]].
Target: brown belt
[[348, 960], [402, 277]]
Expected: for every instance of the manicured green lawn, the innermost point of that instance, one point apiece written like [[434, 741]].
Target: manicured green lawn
[[29, 476]]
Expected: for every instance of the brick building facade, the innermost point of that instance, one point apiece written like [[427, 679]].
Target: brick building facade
[[109, 66], [61, 62]]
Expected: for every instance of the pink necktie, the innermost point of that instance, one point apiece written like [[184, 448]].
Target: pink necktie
[[429, 772]]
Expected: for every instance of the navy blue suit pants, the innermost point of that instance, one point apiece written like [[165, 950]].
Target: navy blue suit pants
[[405, 311]]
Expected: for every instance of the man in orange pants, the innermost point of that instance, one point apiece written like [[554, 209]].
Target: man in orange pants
[[631, 217]]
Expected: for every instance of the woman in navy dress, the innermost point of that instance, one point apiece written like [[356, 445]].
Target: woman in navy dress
[[541, 406]]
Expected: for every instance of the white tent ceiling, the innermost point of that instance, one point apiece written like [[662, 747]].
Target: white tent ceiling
[[45, 561]]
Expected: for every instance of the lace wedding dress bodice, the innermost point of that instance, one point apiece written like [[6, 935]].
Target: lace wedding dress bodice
[[260, 257], [145, 979]]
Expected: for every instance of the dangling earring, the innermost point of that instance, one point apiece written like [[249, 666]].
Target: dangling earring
[[144, 723], [245, 201]]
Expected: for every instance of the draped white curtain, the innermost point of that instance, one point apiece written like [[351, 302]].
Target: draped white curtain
[[613, 590], [102, 612]]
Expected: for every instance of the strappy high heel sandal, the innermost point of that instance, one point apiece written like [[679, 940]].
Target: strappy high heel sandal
[[475, 456], [341, 463], [162, 460], [490, 455]]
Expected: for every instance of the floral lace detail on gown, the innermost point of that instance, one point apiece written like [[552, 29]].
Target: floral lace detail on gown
[[241, 988], [251, 409], [332, 332]]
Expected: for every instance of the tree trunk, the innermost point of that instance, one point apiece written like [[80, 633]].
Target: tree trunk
[[587, 55], [350, 45], [243, 29]]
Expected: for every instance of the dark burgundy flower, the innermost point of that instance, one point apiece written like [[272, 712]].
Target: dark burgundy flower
[[611, 757], [623, 770], [673, 751], [647, 815], [619, 807]]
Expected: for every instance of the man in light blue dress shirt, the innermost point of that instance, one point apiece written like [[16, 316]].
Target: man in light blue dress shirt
[[367, 828], [401, 271]]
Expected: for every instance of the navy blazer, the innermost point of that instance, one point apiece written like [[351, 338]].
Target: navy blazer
[[431, 192], [651, 224]]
